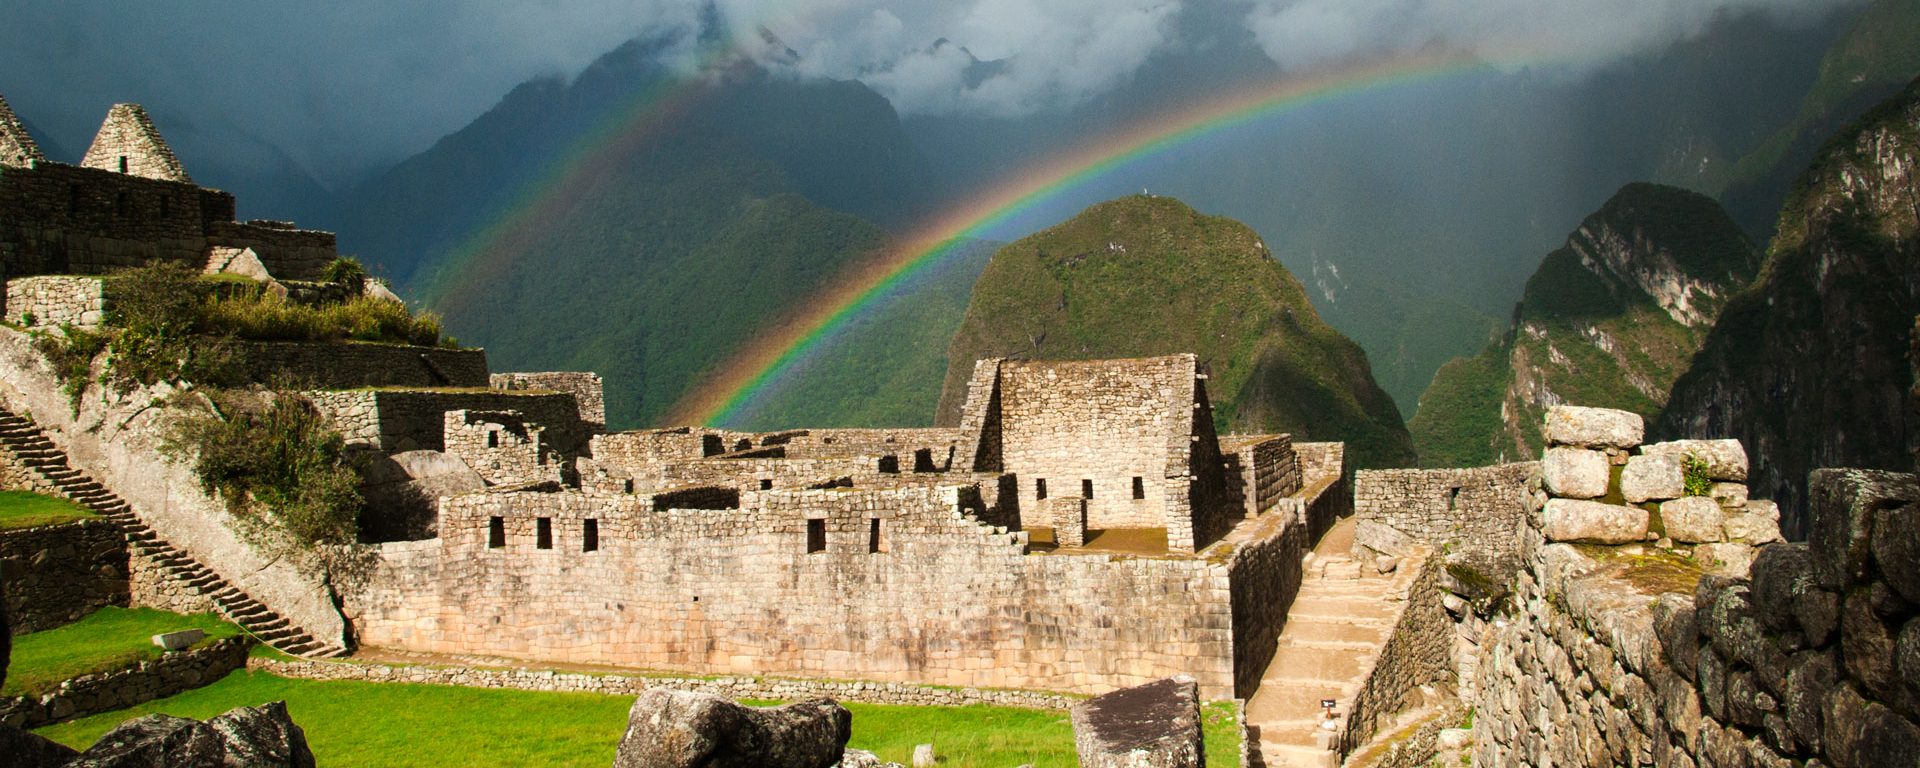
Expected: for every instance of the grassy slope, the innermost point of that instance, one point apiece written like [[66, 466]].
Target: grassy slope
[[1471, 414], [26, 509], [1144, 276], [107, 639], [410, 726]]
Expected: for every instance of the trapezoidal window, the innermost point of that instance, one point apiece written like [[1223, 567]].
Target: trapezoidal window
[[766, 485], [496, 533], [889, 464], [1139, 488], [590, 535], [876, 538], [1039, 487], [543, 533], [493, 439], [123, 163], [1086, 489], [816, 536]]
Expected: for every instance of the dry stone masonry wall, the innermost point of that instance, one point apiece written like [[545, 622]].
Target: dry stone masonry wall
[[57, 574], [50, 301], [1472, 515], [89, 694]]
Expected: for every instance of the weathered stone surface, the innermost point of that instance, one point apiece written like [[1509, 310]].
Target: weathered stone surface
[[1156, 725], [1651, 478], [1896, 539], [1673, 621], [860, 758], [1780, 573], [1725, 558], [1733, 496], [1694, 520], [1725, 459], [676, 729], [1866, 646], [1752, 529], [923, 756], [174, 641], [1593, 522], [1841, 505], [263, 736], [1576, 473], [25, 749], [1593, 427]]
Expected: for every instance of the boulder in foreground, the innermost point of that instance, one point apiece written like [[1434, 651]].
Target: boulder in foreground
[[1156, 725], [255, 737], [681, 729]]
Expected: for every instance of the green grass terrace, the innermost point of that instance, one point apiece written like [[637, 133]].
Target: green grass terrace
[[407, 725], [26, 509], [107, 639]]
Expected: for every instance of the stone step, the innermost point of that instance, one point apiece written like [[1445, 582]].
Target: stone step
[[1301, 629], [1295, 756]]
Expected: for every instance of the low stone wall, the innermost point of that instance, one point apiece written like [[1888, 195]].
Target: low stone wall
[[350, 365], [1417, 653], [1811, 658], [396, 420], [774, 688], [586, 388], [50, 301], [1474, 515], [153, 586], [85, 695], [57, 574]]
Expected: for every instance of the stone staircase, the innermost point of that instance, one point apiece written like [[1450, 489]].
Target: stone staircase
[[24, 440], [1342, 617]]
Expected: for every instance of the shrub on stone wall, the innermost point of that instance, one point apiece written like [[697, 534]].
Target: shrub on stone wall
[[275, 461], [1695, 475]]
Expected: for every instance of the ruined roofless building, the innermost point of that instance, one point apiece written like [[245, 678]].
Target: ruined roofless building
[[128, 203]]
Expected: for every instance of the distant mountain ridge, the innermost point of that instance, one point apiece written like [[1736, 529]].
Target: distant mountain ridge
[[1609, 320], [1809, 367], [1148, 275]]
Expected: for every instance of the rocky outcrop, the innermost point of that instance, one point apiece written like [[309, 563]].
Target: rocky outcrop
[[1610, 319], [677, 729], [1156, 725], [255, 737], [1809, 368]]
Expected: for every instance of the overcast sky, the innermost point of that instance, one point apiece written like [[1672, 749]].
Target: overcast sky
[[345, 84]]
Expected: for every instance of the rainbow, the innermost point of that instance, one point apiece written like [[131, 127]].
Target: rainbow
[[755, 369]]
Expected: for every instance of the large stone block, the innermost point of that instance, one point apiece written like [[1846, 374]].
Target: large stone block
[[263, 736], [1156, 725], [1725, 459], [1896, 546], [1593, 522], [682, 729], [1694, 520], [1576, 473], [1841, 505], [1651, 478], [1593, 427]]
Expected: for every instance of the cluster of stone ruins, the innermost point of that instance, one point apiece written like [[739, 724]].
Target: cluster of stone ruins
[[1083, 530]]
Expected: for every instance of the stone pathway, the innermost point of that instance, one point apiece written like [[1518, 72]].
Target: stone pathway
[[38, 454], [1335, 630]]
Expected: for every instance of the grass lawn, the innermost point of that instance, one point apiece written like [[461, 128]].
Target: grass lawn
[[396, 724], [106, 639], [26, 509]]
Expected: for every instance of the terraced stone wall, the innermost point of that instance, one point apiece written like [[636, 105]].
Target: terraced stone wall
[[57, 574]]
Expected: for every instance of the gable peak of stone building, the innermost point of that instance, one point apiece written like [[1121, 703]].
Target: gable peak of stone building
[[129, 143], [17, 147]]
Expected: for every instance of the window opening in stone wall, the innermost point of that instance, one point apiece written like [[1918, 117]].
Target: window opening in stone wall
[[166, 207], [743, 444], [493, 439], [1453, 498], [889, 464], [876, 541], [627, 485], [1039, 487], [73, 199], [496, 533], [1086, 489], [590, 535], [1139, 487], [123, 163], [121, 206], [923, 460], [543, 533], [766, 485], [816, 535]]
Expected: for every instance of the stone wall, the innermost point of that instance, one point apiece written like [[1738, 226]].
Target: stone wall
[[1474, 515], [1114, 432], [128, 143], [288, 253], [395, 420], [502, 446], [173, 672], [729, 686], [1608, 659], [1262, 469], [1418, 652], [888, 584], [351, 365], [586, 388], [153, 586], [57, 574], [51, 301], [64, 219]]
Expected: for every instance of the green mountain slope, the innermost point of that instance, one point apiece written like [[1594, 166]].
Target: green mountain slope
[[1808, 367], [1872, 61], [1609, 320], [1146, 275]]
